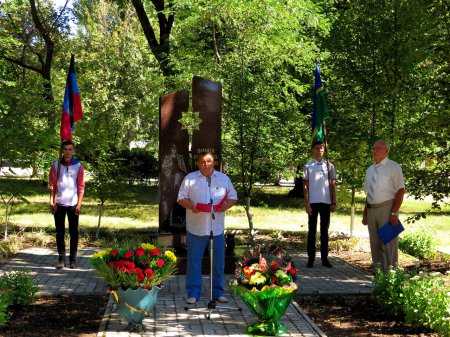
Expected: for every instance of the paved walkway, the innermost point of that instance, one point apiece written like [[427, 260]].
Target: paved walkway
[[41, 263], [343, 278], [170, 318]]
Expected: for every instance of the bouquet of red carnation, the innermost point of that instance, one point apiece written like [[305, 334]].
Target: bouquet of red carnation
[[144, 266], [265, 281]]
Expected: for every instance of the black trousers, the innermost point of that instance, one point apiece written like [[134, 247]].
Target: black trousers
[[324, 211], [60, 217]]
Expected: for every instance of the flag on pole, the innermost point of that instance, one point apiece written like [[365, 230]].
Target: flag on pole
[[72, 110], [320, 108]]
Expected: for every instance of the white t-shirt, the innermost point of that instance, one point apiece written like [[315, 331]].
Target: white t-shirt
[[316, 173], [195, 188], [70, 182], [382, 181]]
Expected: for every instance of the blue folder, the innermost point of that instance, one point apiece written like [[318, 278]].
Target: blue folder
[[388, 231]]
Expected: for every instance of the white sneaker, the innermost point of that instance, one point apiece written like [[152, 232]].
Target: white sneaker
[[191, 300], [222, 299]]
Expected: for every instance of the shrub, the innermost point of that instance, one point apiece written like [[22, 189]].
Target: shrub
[[5, 301], [21, 285], [135, 165], [388, 289], [426, 302], [423, 299], [10, 246], [39, 238], [420, 244]]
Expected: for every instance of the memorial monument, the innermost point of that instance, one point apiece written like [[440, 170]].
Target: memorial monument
[[184, 131]]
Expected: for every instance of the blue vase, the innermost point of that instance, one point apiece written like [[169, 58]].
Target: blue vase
[[135, 304]]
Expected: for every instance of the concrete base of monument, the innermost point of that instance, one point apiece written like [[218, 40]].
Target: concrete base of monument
[[177, 241]]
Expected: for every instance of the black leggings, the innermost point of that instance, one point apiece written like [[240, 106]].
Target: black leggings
[[324, 211], [60, 217]]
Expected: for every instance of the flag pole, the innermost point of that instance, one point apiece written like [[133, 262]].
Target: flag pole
[[325, 138], [324, 114]]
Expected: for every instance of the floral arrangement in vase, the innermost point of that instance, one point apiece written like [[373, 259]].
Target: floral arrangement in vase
[[135, 276], [143, 266]]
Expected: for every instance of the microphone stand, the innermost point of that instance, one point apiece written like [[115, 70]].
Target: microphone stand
[[212, 304]]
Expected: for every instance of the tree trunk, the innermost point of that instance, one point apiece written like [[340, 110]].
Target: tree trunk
[[6, 223], [160, 49], [352, 218], [47, 64], [8, 207], [250, 219], [48, 97], [100, 213]]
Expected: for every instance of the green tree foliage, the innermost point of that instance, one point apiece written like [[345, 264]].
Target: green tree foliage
[[385, 65], [390, 80], [118, 80], [25, 139], [156, 19], [263, 53], [33, 31], [31, 34], [120, 85]]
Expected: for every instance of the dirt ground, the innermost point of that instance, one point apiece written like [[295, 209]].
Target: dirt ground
[[58, 316], [358, 316], [361, 315], [362, 260]]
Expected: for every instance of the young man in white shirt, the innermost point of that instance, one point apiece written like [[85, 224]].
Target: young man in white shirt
[[319, 183], [206, 194], [66, 183], [385, 187]]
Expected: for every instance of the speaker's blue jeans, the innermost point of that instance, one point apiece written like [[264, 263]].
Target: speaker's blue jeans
[[196, 246]]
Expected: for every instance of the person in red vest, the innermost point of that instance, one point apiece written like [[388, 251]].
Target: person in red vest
[[66, 183]]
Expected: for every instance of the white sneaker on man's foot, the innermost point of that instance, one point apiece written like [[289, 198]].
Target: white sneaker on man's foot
[[222, 299], [191, 300]]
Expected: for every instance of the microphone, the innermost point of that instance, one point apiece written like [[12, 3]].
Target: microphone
[[208, 179]]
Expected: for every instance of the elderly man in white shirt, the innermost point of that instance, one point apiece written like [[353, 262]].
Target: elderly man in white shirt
[[206, 194], [385, 187]]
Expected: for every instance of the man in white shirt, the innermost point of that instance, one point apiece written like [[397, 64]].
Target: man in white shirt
[[319, 184], [384, 186], [206, 194], [66, 183]]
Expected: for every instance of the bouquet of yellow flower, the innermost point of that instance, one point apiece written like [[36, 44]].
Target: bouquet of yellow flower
[[265, 281], [144, 266]]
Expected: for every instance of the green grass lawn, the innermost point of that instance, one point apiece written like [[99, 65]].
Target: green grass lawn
[[137, 207]]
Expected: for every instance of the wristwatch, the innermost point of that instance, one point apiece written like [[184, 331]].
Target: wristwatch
[[394, 213]]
